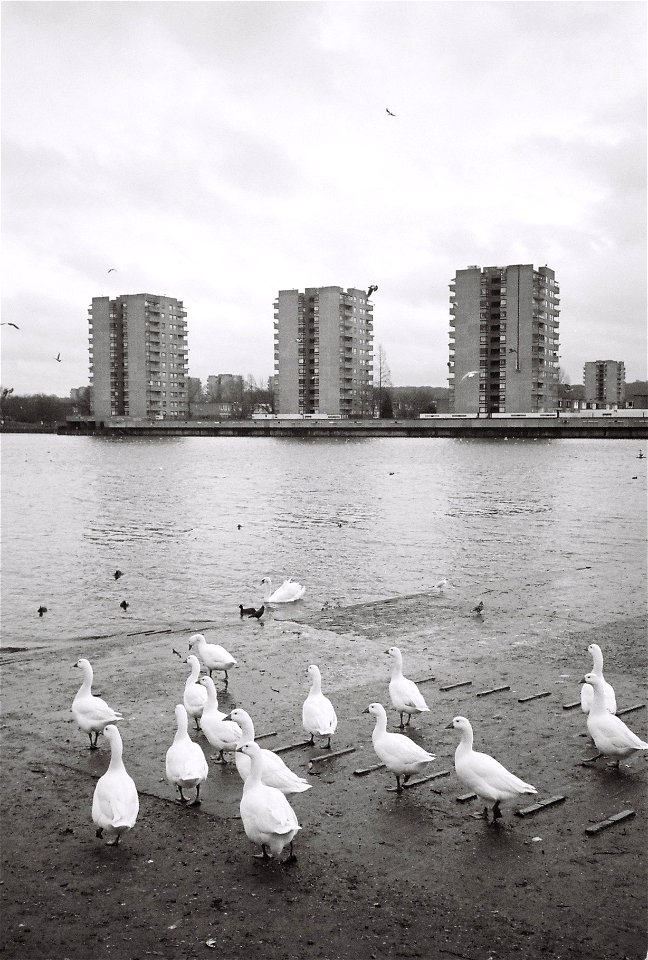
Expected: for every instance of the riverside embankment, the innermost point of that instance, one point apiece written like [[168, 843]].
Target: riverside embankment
[[606, 426]]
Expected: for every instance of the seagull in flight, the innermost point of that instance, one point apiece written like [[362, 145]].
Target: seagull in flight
[[372, 289], [8, 323], [471, 373], [58, 358], [113, 270], [389, 112]]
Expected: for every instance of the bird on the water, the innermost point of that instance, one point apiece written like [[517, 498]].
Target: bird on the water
[[483, 774], [289, 591], [115, 803], [117, 574], [42, 610], [256, 614], [479, 608], [124, 604], [246, 611]]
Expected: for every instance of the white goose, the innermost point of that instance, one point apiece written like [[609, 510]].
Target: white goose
[[222, 734], [404, 694], [268, 818], [587, 691], [115, 803], [186, 765], [483, 774], [610, 734], [318, 713], [195, 696], [91, 713], [274, 772], [213, 656], [289, 591], [399, 754]]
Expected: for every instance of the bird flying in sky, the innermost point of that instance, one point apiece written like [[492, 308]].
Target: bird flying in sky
[[372, 289], [58, 358], [113, 270], [471, 373], [389, 112], [8, 323]]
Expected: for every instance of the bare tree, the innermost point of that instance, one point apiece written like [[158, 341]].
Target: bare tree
[[382, 385]]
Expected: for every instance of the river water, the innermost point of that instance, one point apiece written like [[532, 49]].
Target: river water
[[551, 534]]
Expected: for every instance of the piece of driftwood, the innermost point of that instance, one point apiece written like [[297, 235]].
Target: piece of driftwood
[[540, 805], [331, 756], [637, 706], [416, 783], [484, 693], [534, 696], [453, 686], [610, 822]]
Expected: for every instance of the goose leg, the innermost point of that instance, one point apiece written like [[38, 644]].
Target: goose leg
[[183, 799], [197, 801], [93, 743], [327, 745], [311, 742], [399, 789], [264, 855], [291, 856], [402, 725], [497, 813], [99, 832], [409, 717], [591, 759], [226, 679]]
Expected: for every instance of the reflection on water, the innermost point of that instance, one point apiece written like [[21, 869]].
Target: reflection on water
[[195, 523]]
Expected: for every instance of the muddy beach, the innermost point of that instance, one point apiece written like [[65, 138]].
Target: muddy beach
[[378, 874]]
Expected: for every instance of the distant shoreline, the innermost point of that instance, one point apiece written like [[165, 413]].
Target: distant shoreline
[[613, 426]]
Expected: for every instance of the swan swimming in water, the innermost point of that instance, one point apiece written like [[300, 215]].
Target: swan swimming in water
[[610, 734], [587, 690], [115, 803], [289, 591], [212, 655], [268, 819], [487, 777], [195, 696], [186, 765], [318, 713], [91, 713], [404, 694], [399, 754]]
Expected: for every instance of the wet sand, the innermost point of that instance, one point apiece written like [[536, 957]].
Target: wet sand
[[377, 874]]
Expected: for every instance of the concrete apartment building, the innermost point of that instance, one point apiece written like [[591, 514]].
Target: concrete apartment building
[[323, 349], [504, 340], [604, 382], [138, 357]]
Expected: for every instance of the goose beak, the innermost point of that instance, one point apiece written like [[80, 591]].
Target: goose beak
[[366, 710], [228, 717], [449, 726], [75, 664]]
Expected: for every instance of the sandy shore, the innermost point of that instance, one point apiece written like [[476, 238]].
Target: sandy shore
[[378, 874]]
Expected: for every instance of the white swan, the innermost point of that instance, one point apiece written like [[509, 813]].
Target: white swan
[[587, 691], [288, 591], [268, 818], [404, 694], [222, 734], [195, 696], [115, 803], [274, 772], [483, 774], [213, 656], [610, 734], [399, 754], [90, 712], [186, 765], [318, 713]]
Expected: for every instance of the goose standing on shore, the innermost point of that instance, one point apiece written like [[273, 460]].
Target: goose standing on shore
[[91, 713], [115, 803], [274, 772], [213, 656], [318, 713], [289, 591], [404, 694], [195, 696], [399, 754], [487, 777], [223, 734], [587, 690], [186, 765], [610, 734], [268, 819]]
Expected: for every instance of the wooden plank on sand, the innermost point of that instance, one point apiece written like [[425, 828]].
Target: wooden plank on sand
[[454, 686], [540, 805], [604, 824]]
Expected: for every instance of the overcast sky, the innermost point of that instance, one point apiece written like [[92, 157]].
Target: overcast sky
[[219, 152]]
